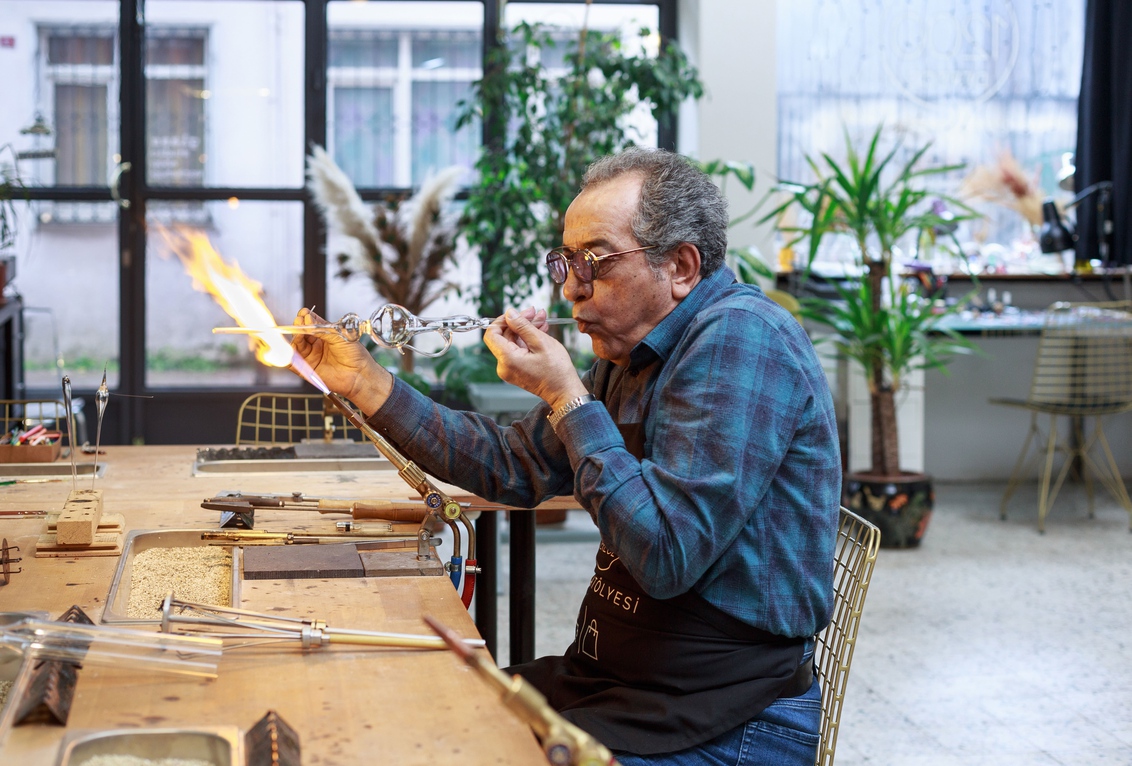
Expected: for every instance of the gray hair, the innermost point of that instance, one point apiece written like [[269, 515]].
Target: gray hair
[[679, 203]]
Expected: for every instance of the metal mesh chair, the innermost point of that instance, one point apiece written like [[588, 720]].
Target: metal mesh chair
[[857, 544], [1083, 370], [272, 419], [27, 413]]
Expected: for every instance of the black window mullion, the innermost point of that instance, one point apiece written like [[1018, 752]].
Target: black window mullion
[[131, 219], [317, 39]]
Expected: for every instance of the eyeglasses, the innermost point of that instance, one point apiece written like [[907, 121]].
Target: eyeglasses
[[584, 262]]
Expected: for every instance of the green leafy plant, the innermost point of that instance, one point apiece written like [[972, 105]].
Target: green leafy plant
[[749, 267], [876, 319], [547, 129], [10, 185]]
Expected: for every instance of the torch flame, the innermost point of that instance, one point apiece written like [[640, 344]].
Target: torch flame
[[240, 296]]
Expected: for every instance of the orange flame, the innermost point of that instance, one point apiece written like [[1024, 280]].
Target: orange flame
[[240, 296]]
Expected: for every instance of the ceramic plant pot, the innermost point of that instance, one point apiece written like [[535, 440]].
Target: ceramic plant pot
[[901, 506]]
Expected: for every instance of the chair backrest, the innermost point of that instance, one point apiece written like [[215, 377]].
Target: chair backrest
[[266, 418], [1084, 360], [857, 544]]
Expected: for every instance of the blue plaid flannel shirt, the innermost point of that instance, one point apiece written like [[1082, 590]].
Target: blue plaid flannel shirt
[[737, 497]]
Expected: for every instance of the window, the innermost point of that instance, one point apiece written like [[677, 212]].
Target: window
[[393, 98], [175, 107], [975, 77], [81, 72]]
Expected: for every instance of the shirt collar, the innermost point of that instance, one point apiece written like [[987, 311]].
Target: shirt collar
[[662, 339]]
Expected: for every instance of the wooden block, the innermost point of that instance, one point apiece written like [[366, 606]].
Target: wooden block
[[399, 564], [27, 453], [110, 522], [103, 544], [301, 562], [78, 522]]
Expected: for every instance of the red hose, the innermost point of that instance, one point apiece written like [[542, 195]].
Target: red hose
[[469, 582]]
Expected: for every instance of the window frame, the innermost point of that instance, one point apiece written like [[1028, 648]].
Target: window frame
[[182, 416]]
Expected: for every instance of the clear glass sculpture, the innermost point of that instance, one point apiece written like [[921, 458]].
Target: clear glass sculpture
[[391, 326]]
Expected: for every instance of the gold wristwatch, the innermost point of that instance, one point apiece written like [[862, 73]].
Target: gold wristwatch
[[573, 404]]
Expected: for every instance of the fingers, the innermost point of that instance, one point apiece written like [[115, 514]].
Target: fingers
[[522, 324]]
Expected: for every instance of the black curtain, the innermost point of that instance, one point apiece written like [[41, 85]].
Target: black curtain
[[1104, 126]]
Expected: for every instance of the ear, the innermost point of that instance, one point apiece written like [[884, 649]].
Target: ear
[[684, 268]]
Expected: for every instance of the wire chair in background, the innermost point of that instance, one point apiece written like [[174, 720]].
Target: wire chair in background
[[28, 413], [1083, 370], [276, 419], [857, 544]]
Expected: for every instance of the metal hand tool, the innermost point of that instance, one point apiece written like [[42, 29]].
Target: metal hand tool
[[311, 633], [563, 742], [260, 537]]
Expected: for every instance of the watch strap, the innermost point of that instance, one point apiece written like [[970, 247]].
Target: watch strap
[[569, 406]]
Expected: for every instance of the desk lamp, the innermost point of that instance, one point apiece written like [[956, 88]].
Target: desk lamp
[[1057, 235]]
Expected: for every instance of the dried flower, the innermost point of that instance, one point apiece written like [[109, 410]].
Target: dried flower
[[1005, 183], [402, 243]]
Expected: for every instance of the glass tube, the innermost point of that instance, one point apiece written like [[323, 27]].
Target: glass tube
[[98, 644]]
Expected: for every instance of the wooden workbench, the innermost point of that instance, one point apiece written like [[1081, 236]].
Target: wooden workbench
[[348, 706]]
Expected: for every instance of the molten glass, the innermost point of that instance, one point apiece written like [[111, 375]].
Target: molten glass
[[391, 326]]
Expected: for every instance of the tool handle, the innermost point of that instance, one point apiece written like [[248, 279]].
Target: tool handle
[[389, 512], [410, 642], [334, 505]]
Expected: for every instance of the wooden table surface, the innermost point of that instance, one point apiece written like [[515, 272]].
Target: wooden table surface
[[349, 706]]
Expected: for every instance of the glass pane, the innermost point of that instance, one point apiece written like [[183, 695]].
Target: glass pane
[[175, 154], [265, 240], [67, 273], [563, 21], [397, 71], [363, 130], [80, 48], [81, 140], [223, 111], [183, 47], [975, 78], [434, 50], [627, 18], [436, 143], [59, 120], [363, 48]]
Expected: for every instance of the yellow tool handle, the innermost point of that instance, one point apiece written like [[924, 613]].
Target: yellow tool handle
[[408, 642]]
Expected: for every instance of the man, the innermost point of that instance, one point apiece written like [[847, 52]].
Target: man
[[702, 442]]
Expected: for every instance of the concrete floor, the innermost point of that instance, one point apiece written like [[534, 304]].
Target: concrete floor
[[990, 644]]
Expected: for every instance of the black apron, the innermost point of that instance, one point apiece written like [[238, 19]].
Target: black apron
[[648, 675]]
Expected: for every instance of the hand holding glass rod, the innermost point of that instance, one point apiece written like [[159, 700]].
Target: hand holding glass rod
[[391, 326]]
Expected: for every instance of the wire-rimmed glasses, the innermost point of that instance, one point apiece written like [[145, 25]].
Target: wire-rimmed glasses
[[584, 262]]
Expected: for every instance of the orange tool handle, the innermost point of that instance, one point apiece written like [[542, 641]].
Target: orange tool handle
[[389, 510]]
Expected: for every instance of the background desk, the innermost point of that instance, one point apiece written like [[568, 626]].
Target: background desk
[[409, 706]]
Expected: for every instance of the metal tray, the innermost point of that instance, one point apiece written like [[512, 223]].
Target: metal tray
[[58, 468], [294, 465], [215, 745], [118, 599]]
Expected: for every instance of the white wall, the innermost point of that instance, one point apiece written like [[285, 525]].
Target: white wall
[[733, 44]]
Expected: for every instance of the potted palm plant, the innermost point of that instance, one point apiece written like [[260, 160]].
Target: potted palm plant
[[877, 320]]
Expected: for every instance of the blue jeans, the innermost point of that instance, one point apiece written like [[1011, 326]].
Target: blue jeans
[[785, 734]]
